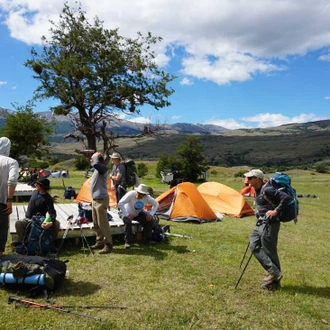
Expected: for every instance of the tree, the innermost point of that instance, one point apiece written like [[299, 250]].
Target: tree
[[142, 170], [27, 131], [191, 158], [96, 74]]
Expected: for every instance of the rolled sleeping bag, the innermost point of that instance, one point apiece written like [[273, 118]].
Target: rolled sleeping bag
[[8, 278]]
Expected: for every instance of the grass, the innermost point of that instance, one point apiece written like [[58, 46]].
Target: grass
[[189, 283]]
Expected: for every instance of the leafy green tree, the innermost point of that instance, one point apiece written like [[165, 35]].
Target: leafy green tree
[[27, 131], [191, 157], [166, 162], [142, 170], [96, 74], [81, 162]]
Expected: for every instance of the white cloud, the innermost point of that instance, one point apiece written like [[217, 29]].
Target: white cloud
[[264, 120], [176, 117], [221, 41], [277, 119], [186, 81], [139, 120], [325, 57], [229, 123], [327, 97], [3, 83]]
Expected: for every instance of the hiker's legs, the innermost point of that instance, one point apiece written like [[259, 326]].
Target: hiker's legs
[[128, 230], [100, 220], [147, 226], [4, 226], [120, 192], [20, 226], [55, 229], [260, 235], [269, 243]]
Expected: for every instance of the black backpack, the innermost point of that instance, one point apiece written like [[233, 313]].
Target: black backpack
[[40, 275], [69, 193], [130, 172], [36, 240]]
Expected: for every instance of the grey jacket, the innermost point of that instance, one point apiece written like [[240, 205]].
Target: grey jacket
[[8, 169]]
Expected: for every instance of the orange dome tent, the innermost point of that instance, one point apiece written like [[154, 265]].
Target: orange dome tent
[[184, 203], [84, 194], [224, 199]]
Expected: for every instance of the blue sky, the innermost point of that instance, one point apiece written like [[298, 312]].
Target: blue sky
[[239, 63]]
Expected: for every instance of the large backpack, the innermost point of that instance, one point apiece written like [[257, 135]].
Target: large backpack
[[282, 181], [36, 240], [39, 275], [130, 172], [69, 192]]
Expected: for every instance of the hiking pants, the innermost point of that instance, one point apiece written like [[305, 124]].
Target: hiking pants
[[120, 192], [146, 225], [20, 226], [263, 244], [4, 226], [100, 220]]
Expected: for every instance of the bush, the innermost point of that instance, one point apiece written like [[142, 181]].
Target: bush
[[81, 163], [142, 170]]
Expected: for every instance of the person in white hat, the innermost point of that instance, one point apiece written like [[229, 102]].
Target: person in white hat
[[8, 181], [118, 176], [264, 236], [132, 206]]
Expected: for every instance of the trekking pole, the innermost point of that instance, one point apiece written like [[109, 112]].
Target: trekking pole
[[243, 270], [28, 303], [84, 239], [244, 255], [177, 235], [65, 234], [91, 307], [250, 255]]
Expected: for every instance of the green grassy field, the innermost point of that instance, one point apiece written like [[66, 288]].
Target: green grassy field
[[190, 283]]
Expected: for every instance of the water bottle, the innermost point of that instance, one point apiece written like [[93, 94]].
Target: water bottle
[[48, 219]]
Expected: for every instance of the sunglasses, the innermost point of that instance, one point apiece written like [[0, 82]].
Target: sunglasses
[[251, 177]]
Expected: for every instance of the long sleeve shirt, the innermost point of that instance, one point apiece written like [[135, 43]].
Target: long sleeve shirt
[[126, 204], [41, 204]]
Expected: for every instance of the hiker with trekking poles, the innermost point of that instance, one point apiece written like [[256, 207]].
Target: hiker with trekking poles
[[263, 240]]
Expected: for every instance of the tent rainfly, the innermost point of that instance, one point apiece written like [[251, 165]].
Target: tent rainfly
[[224, 199], [84, 194], [184, 203]]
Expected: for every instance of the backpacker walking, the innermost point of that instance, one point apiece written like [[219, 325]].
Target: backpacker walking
[[264, 236]]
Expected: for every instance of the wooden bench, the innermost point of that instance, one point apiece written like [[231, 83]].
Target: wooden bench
[[63, 211]]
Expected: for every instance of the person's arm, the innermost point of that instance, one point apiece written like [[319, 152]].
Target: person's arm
[[121, 204], [120, 173], [12, 182], [99, 166], [154, 203], [51, 211]]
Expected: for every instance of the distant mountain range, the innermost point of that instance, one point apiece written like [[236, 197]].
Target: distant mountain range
[[290, 144], [130, 128]]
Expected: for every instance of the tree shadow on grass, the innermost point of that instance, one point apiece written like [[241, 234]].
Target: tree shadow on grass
[[308, 290]]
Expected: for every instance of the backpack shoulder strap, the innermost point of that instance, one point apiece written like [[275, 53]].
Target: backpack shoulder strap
[[264, 195]]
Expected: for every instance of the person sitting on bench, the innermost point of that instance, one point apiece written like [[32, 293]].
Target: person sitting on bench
[[40, 203]]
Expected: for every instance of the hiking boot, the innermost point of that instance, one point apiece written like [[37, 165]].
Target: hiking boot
[[127, 245], [166, 229], [106, 249], [273, 278], [271, 286], [97, 246]]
